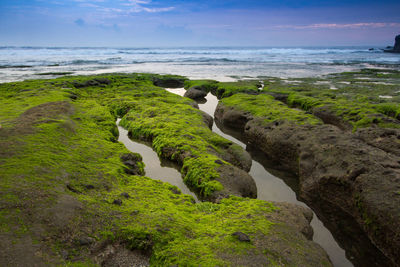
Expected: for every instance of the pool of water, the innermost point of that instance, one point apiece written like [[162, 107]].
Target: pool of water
[[155, 168], [274, 188]]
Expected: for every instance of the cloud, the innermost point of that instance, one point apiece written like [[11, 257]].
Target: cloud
[[138, 6], [80, 22], [340, 25]]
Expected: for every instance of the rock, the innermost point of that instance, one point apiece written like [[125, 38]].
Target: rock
[[92, 82], [385, 139], [339, 175], [85, 241], [328, 116], [167, 81], [117, 202], [286, 241], [241, 236], [208, 120], [236, 182], [195, 93], [231, 117], [73, 189], [238, 157], [131, 161], [396, 48]]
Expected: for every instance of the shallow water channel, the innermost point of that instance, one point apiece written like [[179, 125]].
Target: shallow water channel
[[269, 187]]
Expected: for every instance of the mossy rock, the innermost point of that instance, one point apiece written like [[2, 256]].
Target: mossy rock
[[66, 199]]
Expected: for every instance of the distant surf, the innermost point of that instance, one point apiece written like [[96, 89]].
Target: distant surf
[[220, 63]]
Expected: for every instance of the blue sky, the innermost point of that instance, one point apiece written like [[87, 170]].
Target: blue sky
[[139, 23]]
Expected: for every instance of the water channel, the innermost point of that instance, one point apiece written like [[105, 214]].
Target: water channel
[[269, 187]]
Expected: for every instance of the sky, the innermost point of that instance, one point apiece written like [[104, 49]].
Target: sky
[[164, 23]]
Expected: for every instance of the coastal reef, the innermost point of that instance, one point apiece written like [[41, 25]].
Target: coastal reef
[[72, 195], [339, 134]]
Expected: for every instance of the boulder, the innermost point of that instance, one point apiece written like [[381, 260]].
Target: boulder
[[231, 117], [195, 93], [236, 182]]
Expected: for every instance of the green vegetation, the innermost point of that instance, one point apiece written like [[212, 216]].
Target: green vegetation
[[362, 99], [58, 145], [177, 132], [225, 89], [204, 85], [269, 109]]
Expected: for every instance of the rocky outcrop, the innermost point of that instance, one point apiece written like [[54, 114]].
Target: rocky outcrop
[[207, 119], [231, 117], [351, 175], [168, 81], [342, 172], [396, 47], [288, 242], [195, 93], [236, 182], [385, 139]]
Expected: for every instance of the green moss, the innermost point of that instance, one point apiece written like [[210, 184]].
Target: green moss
[[269, 109], [56, 155], [304, 102], [226, 89], [177, 132], [205, 85], [356, 98]]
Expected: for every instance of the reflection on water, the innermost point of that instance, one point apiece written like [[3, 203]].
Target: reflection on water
[[164, 170], [272, 188]]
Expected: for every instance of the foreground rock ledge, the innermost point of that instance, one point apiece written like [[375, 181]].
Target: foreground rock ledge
[[338, 172], [78, 205]]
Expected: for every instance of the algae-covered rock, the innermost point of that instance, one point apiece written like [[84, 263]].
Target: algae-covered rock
[[207, 119], [231, 117], [180, 134], [121, 219], [168, 81], [195, 93], [350, 179], [133, 162], [235, 182]]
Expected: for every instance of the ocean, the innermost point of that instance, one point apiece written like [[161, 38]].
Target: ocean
[[219, 63]]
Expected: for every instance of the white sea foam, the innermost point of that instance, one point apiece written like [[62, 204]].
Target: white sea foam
[[18, 63]]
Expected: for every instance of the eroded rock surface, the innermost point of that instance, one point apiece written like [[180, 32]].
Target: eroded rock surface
[[354, 174], [195, 93]]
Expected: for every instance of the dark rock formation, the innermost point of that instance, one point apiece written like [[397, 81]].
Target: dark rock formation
[[396, 48], [167, 81], [231, 117], [236, 182], [341, 175], [93, 82], [131, 161], [238, 157], [195, 93], [241, 236], [208, 120]]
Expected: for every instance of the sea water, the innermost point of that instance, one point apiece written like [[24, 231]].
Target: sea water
[[219, 63]]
